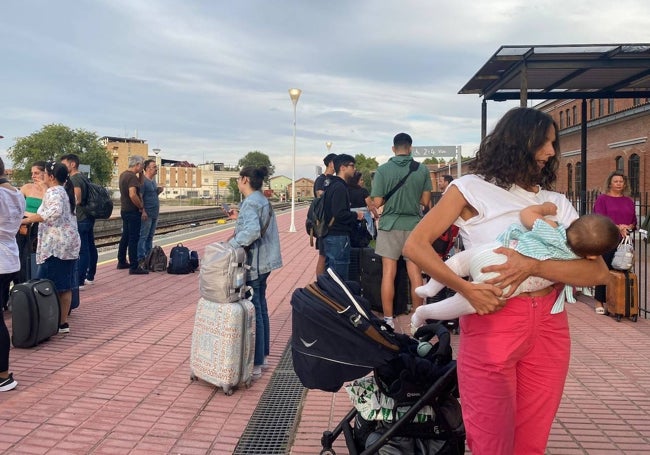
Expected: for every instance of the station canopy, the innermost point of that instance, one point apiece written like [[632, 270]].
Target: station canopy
[[564, 72]]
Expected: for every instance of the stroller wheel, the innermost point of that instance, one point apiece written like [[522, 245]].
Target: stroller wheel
[[327, 452]]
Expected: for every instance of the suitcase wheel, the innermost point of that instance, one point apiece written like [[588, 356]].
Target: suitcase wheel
[[618, 318], [193, 377], [228, 391], [634, 318], [327, 452]]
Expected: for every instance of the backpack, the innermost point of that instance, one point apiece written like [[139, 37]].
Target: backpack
[[97, 201], [360, 237], [156, 260], [194, 260], [315, 224], [222, 278], [179, 260]]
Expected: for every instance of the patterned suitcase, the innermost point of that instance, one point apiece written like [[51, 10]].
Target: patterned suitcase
[[223, 344], [622, 293]]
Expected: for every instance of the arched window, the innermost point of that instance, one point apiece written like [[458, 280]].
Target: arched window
[[633, 173], [592, 109], [569, 179], [578, 178], [620, 164], [575, 115], [568, 118], [561, 120]]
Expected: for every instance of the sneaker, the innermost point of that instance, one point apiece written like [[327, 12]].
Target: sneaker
[[123, 265], [257, 372], [265, 365], [82, 287], [64, 328], [91, 282], [139, 271], [8, 383], [389, 322]]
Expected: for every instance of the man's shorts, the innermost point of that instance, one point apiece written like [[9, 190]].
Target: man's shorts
[[60, 271], [391, 243]]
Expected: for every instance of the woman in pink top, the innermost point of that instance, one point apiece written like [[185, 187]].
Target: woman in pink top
[[620, 208]]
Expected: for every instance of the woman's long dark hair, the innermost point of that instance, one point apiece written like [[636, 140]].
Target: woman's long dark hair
[[60, 173], [256, 175], [507, 155]]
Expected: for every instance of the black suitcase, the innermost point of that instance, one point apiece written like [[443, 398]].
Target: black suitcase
[[354, 271], [35, 313], [371, 272]]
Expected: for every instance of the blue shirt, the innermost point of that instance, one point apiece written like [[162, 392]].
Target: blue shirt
[[150, 198], [264, 253]]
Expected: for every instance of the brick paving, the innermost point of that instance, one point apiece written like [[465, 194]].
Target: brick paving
[[119, 382]]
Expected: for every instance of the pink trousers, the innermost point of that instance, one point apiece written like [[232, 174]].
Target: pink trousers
[[512, 365]]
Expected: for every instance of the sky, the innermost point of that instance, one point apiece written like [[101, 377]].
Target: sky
[[208, 80]]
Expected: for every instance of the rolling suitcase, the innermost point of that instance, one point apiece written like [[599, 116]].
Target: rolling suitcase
[[371, 272], [622, 294], [223, 344], [35, 313]]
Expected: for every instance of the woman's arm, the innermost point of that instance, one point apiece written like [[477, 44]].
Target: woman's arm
[[419, 249]]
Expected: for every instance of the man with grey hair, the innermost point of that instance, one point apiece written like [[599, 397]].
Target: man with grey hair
[[131, 212]]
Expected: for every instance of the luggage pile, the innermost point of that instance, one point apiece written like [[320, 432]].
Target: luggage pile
[[223, 339]]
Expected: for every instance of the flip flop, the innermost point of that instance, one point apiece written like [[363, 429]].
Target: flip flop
[[599, 310]]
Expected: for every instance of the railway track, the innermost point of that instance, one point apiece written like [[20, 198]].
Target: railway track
[[108, 232]]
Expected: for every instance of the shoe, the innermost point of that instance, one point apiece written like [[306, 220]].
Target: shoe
[[8, 383], [389, 322], [64, 328], [138, 271], [142, 265], [599, 310], [265, 365], [123, 265], [91, 282], [257, 372], [82, 287]]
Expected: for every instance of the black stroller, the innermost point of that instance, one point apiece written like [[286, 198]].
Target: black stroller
[[336, 338]]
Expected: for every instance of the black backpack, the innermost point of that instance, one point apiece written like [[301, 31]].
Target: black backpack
[[156, 260], [316, 224], [97, 201], [179, 260]]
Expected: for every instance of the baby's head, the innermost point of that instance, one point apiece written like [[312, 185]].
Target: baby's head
[[592, 235]]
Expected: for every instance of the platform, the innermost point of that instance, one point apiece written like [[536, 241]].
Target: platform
[[120, 382]]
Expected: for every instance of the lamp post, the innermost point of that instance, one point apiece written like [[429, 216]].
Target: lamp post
[[328, 144], [294, 93]]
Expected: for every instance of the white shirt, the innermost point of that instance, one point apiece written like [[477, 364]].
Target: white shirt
[[12, 208]]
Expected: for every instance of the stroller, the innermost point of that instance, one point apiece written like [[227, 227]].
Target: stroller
[[408, 405]]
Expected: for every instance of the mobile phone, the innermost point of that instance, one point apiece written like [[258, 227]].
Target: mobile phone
[[226, 207]]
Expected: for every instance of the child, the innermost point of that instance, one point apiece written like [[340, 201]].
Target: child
[[587, 237]]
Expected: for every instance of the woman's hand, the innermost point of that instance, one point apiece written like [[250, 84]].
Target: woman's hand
[[485, 298], [512, 272]]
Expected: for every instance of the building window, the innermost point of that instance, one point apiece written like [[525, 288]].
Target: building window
[[569, 179], [561, 120], [575, 115], [633, 173], [601, 107], [620, 164], [568, 118], [578, 179], [610, 103], [636, 101], [592, 109]]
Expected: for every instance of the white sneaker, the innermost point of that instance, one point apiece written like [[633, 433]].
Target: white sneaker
[[390, 322], [91, 282], [82, 287], [257, 372]]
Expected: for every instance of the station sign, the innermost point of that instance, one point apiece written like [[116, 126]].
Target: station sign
[[437, 151]]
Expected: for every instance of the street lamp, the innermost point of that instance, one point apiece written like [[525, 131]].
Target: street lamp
[[328, 144], [294, 93]]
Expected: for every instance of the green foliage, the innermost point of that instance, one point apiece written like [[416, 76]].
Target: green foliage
[[432, 160], [366, 165], [256, 159], [234, 189], [55, 140]]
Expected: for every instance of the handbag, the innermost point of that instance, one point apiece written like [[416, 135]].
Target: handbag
[[624, 255]]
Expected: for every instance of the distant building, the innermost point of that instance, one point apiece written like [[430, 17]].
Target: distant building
[[304, 189], [120, 149], [181, 179], [279, 184], [215, 181]]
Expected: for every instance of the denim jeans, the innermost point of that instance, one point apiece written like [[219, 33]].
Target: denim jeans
[[337, 253], [130, 236], [87, 251], [147, 230], [262, 333]]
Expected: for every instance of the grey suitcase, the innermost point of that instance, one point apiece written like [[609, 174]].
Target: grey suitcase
[[223, 344], [35, 312]]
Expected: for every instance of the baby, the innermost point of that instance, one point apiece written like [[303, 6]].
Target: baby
[[587, 237]]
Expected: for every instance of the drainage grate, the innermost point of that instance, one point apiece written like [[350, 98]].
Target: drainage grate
[[273, 422]]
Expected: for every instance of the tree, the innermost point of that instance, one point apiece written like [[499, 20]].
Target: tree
[[432, 160], [257, 159], [234, 190], [366, 165], [55, 140]]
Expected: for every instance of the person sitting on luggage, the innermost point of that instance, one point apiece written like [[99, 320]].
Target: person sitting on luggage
[[537, 237], [256, 229], [58, 237], [12, 206]]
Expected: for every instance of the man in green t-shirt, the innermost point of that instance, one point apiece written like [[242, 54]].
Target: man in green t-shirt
[[401, 212]]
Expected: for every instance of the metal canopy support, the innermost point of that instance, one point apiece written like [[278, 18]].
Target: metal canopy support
[[583, 158], [483, 119], [523, 87]]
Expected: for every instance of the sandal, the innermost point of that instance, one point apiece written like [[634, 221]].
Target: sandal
[[599, 310]]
